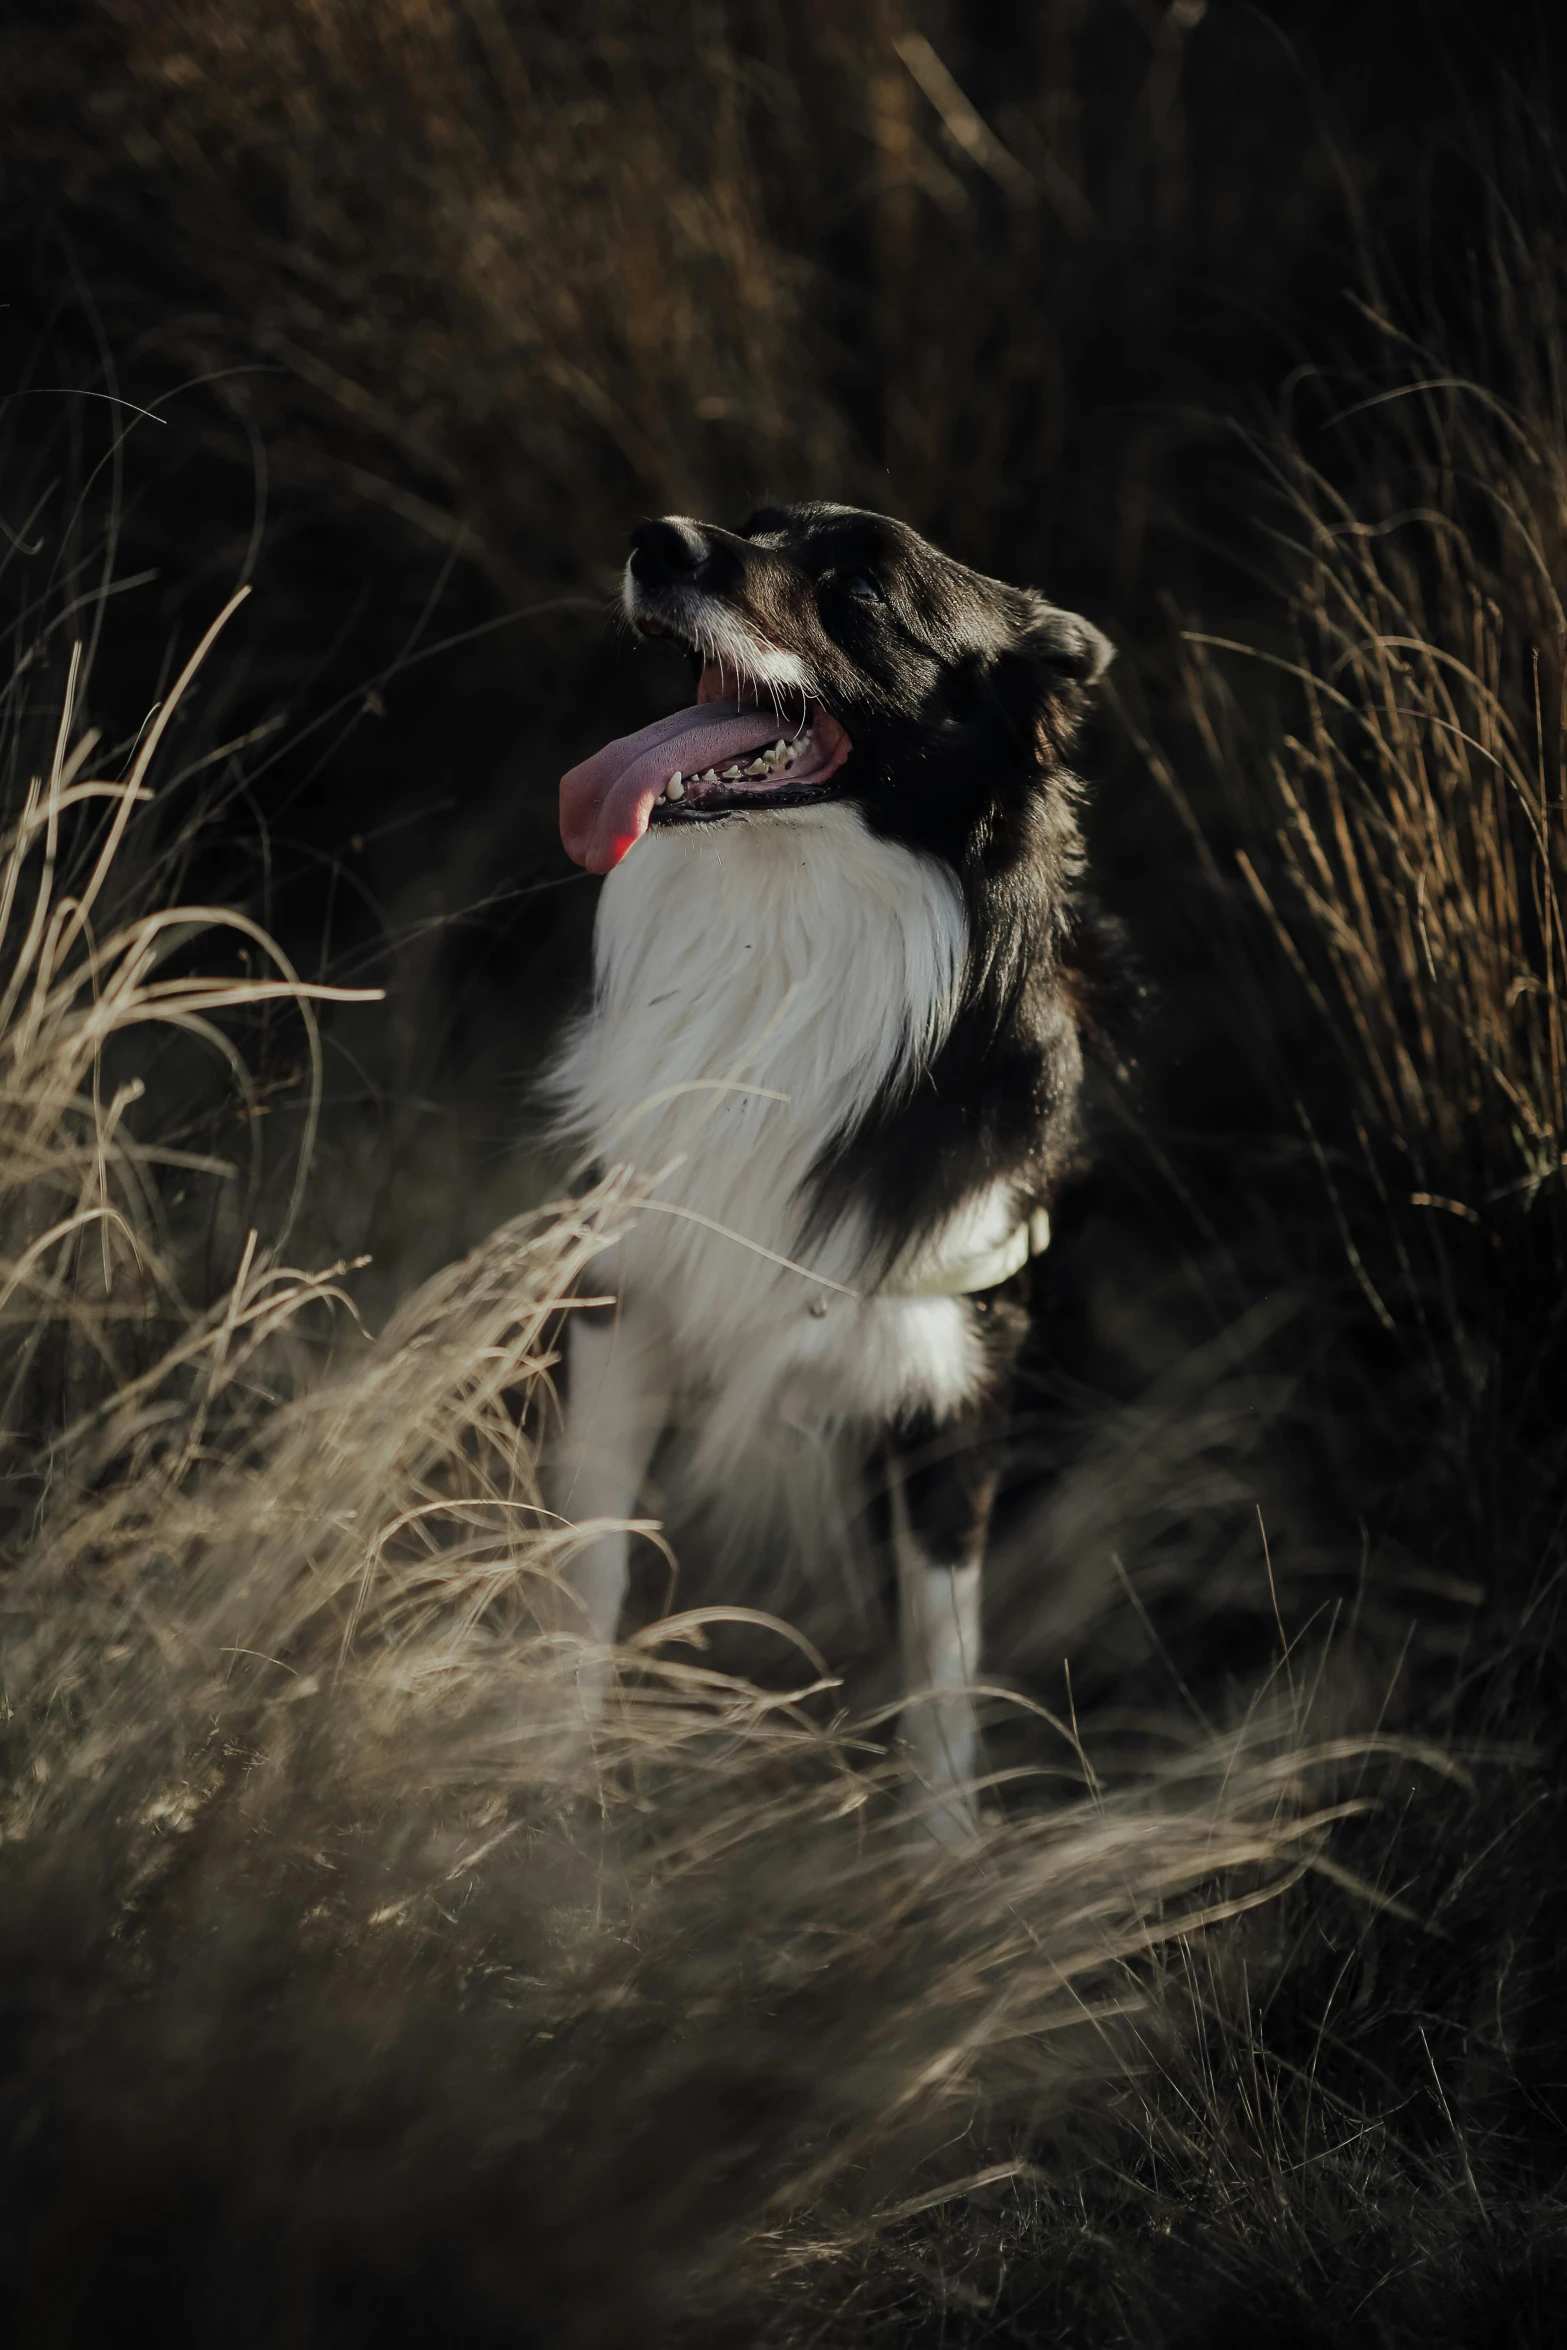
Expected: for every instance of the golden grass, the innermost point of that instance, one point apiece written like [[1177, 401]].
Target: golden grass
[[1412, 858], [276, 1667], [307, 1860]]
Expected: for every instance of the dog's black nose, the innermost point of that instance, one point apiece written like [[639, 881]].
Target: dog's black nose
[[668, 551]]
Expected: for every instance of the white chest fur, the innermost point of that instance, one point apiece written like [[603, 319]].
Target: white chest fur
[[758, 985]]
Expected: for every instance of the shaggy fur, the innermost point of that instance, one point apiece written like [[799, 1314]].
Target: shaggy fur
[[833, 1023]]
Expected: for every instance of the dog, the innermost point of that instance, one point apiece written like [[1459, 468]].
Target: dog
[[840, 991]]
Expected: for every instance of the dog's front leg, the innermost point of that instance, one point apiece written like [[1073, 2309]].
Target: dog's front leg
[[617, 1403], [942, 1491]]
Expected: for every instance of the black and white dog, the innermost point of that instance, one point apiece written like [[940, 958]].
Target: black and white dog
[[836, 1020]]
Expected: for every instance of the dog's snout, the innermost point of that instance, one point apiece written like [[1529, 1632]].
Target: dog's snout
[[667, 551]]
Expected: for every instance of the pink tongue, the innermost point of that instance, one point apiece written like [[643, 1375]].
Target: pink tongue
[[606, 802]]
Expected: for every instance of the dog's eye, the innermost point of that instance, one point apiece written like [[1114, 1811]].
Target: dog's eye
[[861, 586]]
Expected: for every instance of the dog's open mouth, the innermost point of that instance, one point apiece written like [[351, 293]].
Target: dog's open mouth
[[726, 757]]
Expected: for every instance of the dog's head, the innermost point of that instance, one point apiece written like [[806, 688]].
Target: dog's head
[[838, 657]]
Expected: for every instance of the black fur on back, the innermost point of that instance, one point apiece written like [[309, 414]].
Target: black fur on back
[[960, 695]]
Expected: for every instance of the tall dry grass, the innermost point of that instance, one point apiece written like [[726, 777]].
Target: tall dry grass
[[511, 272], [1390, 769], [310, 1867], [1419, 808], [348, 1990]]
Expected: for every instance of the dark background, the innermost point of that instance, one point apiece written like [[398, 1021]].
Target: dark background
[[426, 306]]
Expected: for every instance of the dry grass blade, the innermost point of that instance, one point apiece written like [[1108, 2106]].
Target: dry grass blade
[[265, 1620], [1421, 884]]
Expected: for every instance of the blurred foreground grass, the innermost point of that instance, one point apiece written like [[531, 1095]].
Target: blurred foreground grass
[[348, 1996]]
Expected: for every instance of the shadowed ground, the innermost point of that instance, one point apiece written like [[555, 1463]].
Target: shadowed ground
[[346, 1998]]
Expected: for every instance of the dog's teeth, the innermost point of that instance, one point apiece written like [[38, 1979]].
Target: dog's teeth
[[709, 775], [675, 788], [759, 767], [732, 774]]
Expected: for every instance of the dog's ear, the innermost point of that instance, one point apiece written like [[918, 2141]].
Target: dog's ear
[[1066, 646], [1047, 671]]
